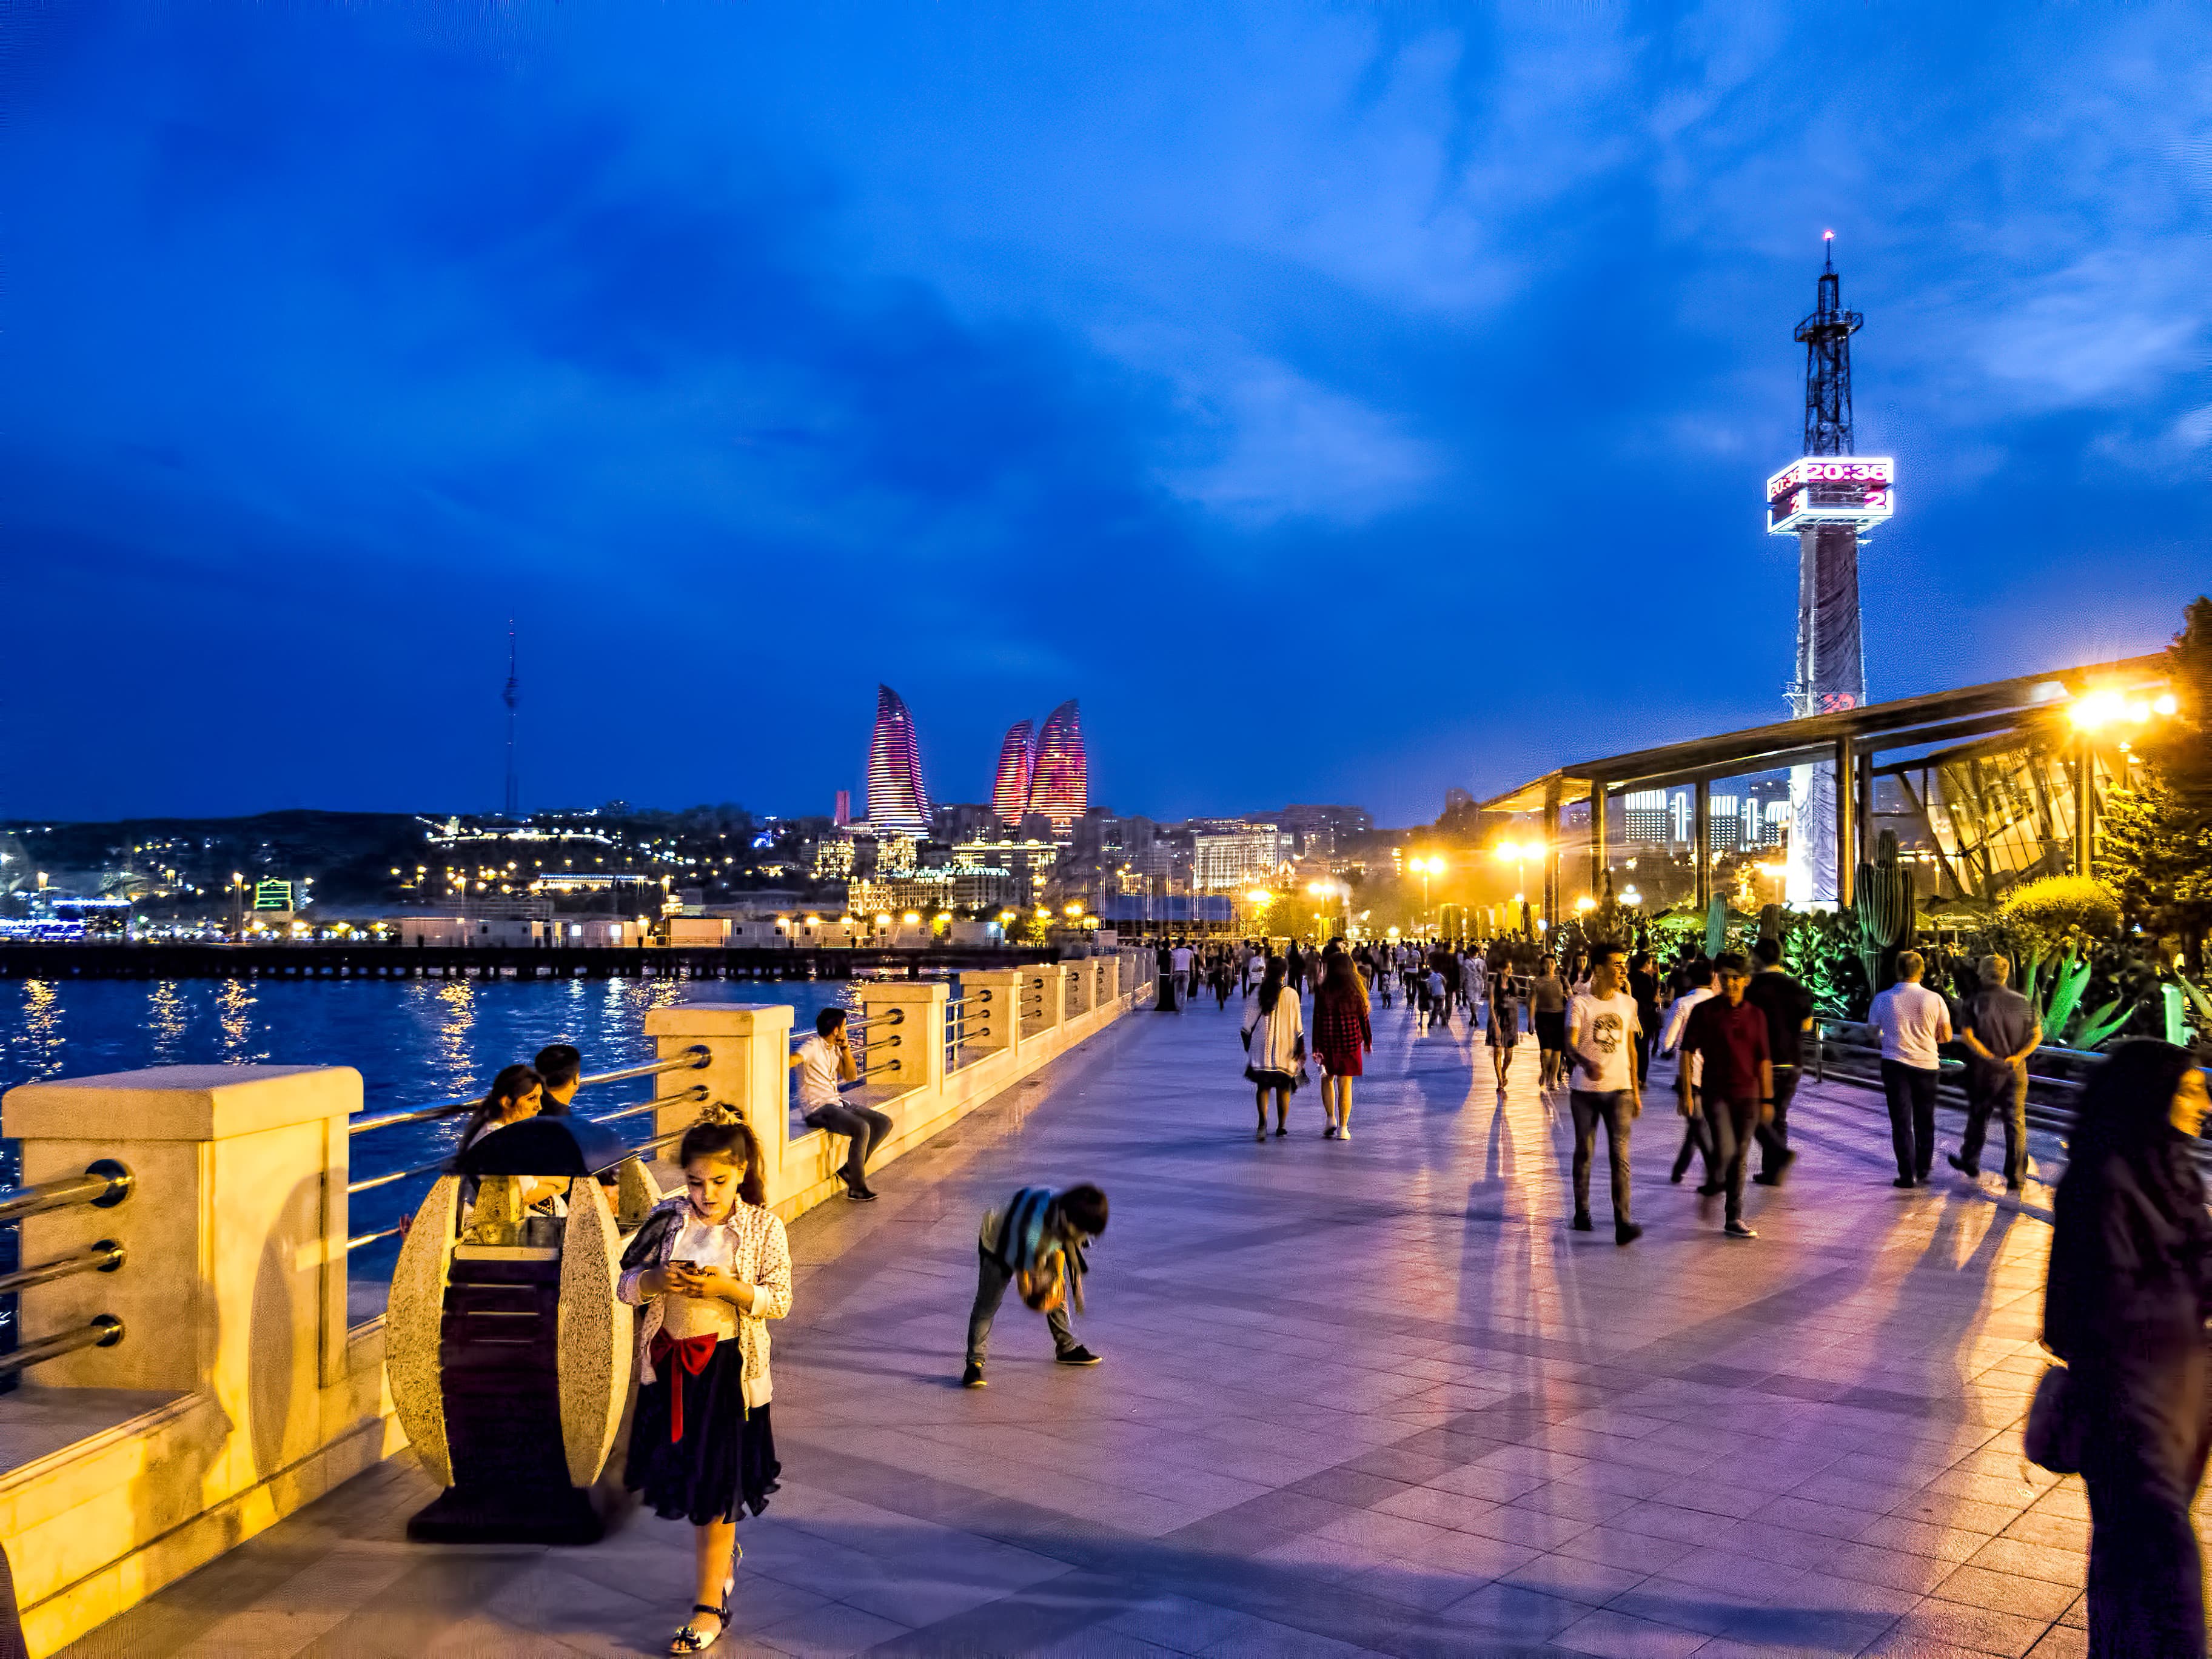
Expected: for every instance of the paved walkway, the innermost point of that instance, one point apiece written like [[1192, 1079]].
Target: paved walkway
[[1363, 1397]]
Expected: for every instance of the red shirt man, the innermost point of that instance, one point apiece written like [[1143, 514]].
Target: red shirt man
[[1737, 1078]]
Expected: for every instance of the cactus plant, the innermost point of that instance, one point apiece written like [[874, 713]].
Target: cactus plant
[[1882, 909]]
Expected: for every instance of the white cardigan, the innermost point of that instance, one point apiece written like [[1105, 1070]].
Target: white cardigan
[[1274, 1046]]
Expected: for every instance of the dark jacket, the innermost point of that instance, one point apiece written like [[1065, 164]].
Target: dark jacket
[[2129, 1292]]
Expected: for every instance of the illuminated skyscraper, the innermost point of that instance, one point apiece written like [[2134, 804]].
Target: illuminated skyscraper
[[1010, 795], [1061, 787], [896, 799]]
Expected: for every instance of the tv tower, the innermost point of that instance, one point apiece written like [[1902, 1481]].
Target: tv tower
[[514, 808], [1828, 500]]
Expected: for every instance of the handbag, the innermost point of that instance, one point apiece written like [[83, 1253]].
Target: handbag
[[2055, 1431]]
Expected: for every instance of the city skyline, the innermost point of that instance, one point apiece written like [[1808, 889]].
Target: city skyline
[[593, 321]]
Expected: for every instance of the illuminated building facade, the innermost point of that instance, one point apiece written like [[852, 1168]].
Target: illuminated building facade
[[896, 798], [1645, 812], [1235, 858], [1060, 788], [1010, 792]]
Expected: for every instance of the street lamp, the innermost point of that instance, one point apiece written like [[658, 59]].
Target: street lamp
[[2090, 712], [1517, 853], [1431, 866]]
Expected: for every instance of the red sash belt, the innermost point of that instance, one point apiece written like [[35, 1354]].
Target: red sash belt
[[690, 1354]]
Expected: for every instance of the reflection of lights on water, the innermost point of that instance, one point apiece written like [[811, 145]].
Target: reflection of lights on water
[[42, 1027], [165, 1022], [232, 1005]]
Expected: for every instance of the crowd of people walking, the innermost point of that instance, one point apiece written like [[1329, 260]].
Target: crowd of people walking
[[2128, 1303]]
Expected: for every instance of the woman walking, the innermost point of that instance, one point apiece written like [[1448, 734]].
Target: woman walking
[[710, 1267], [1342, 1033], [1547, 1011], [2125, 1306], [1275, 1041], [1503, 1030]]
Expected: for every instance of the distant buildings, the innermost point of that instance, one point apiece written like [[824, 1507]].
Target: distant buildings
[[1223, 860], [896, 798], [1010, 791], [1061, 787]]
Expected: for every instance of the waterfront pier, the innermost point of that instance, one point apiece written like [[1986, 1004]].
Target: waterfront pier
[[1363, 1397]]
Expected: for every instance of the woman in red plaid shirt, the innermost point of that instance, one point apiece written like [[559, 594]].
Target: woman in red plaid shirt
[[1342, 1035]]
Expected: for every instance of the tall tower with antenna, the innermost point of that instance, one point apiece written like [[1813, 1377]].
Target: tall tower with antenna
[[514, 803], [1829, 500]]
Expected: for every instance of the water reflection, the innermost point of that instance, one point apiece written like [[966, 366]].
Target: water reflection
[[167, 1021], [38, 1032], [234, 1013]]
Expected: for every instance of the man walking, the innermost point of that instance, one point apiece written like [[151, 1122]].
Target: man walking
[[1179, 961], [1698, 976], [1726, 1036], [1999, 1026], [1914, 1022], [1602, 1031], [1788, 1006], [823, 1062]]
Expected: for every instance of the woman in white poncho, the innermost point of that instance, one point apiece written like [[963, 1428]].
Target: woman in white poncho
[[1275, 1044]]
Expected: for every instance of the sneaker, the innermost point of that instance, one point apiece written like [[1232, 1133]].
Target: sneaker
[[1330, 1134], [1626, 1232], [1767, 1178], [973, 1378], [1738, 1230], [1581, 1224], [1259, 1134], [1676, 1177], [1903, 1181], [1344, 1133], [1282, 1130], [1971, 1171], [1078, 1355], [860, 1195], [1780, 1172]]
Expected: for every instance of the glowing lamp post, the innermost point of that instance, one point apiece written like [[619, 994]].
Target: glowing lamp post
[[1517, 853], [2091, 713], [1428, 866]]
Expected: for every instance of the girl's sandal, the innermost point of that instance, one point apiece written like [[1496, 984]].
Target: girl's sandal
[[692, 1639]]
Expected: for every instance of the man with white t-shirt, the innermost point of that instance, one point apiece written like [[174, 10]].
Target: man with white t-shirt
[[1179, 960], [1602, 1029], [1697, 1137], [823, 1062], [1914, 1022]]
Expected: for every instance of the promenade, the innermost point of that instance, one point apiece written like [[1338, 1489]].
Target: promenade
[[1372, 1397]]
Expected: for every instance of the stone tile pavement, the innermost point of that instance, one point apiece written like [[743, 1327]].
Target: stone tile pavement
[[1370, 1397]]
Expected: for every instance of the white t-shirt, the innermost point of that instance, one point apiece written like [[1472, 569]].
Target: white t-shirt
[[817, 1073], [1913, 1021], [1181, 959], [1600, 1031]]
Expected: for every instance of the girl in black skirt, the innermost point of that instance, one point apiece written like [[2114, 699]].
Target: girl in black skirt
[[710, 1267]]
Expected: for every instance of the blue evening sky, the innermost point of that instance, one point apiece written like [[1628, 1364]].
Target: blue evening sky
[[1343, 401]]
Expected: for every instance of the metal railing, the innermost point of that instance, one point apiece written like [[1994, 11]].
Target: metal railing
[[1850, 1052], [690, 1061], [104, 1185]]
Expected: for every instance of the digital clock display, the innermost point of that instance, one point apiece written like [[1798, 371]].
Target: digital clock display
[[1838, 490]]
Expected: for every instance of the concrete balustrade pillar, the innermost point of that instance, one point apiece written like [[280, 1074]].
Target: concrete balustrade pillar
[[748, 1067], [994, 1009], [235, 1230], [1066, 973], [907, 1051]]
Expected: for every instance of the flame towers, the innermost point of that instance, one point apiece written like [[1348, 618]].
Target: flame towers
[[1009, 792], [896, 798], [1061, 787]]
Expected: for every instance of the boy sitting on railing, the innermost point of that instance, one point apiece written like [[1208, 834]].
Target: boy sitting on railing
[[1035, 1241], [823, 1062]]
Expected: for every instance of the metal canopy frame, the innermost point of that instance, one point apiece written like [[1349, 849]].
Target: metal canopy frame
[[1957, 725]]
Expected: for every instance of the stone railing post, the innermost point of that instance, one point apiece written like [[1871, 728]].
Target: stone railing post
[[905, 1033], [994, 1009], [748, 1054], [234, 1276]]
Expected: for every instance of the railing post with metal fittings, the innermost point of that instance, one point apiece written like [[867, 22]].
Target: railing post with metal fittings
[[994, 998], [233, 1235], [748, 1067], [905, 1033]]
